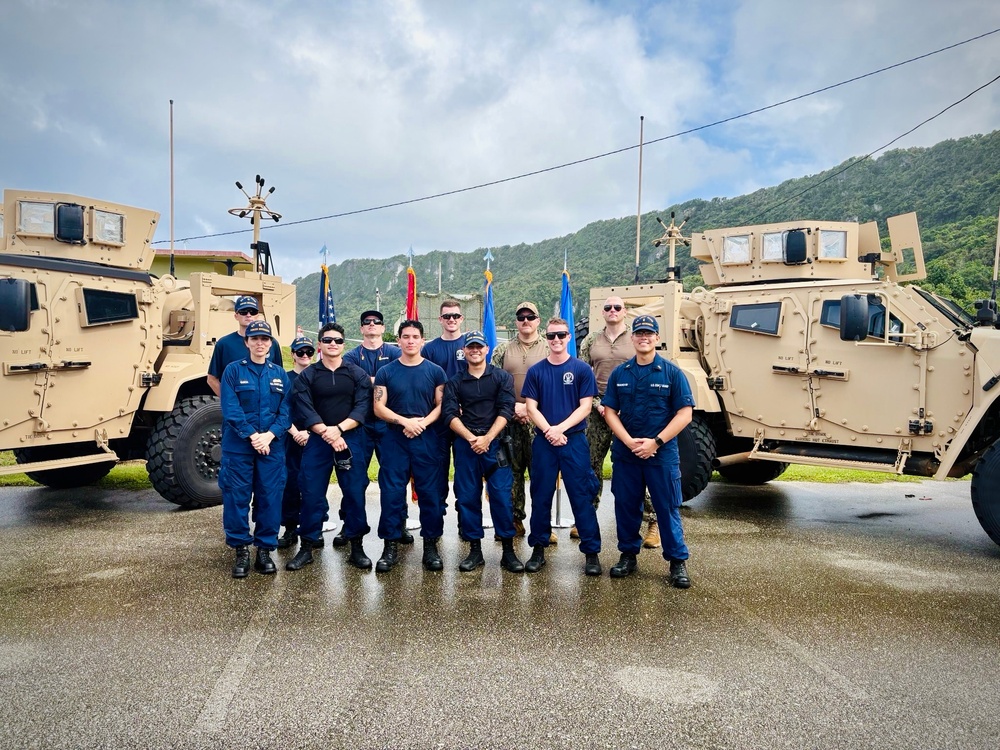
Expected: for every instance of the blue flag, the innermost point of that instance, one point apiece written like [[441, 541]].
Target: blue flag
[[327, 313], [489, 317], [566, 313]]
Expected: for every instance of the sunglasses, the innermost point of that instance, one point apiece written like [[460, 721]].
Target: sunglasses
[[556, 335], [451, 316], [371, 322], [305, 352], [609, 308], [331, 340], [522, 318], [248, 312]]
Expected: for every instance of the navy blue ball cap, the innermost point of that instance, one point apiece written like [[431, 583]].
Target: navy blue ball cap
[[246, 302], [475, 337], [302, 342], [258, 328], [645, 323]]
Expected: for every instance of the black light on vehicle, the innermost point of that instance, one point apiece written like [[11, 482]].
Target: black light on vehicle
[[70, 223]]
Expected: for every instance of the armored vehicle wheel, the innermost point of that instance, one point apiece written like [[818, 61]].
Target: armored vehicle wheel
[[71, 476], [696, 445], [184, 453], [986, 491], [752, 472]]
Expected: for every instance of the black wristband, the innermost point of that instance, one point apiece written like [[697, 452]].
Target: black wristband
[[658, 441]]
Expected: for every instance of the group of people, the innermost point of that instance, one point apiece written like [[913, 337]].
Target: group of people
[[418, 405]]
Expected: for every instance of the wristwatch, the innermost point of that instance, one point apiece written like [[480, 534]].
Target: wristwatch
[[658, 441]]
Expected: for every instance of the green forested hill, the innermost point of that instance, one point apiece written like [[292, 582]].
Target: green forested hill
[[953, 186]]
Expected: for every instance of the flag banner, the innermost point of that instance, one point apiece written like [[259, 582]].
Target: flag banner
[[566, 313], [327, 312], [489, 317], [411, 295]]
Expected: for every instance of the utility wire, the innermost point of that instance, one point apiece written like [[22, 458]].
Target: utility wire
[[628, 148], [867, 156]]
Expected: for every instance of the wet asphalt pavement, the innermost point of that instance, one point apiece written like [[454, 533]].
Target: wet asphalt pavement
[[820, 616]]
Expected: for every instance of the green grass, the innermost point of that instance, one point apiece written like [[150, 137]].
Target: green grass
[[131, 475]]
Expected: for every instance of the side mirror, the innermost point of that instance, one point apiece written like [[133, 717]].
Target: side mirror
[[853, 317], [15, 304]]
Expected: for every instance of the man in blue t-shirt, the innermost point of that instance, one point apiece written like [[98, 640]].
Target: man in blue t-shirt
[[407, 397], [646, 404], [558, 393], [233, 346]]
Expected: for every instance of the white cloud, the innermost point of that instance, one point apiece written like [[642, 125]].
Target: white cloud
[[344, 106]]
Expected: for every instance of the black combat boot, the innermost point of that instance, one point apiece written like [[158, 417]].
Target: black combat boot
[[302, 558], [405, 537], [593, 565], [358, 557], [340, 540], [241, 568], [679, 575], [475, 558], [432, 560], [289, 539], [264, 564], [536, 561], [390, 556], [509, 560], [625, 566]]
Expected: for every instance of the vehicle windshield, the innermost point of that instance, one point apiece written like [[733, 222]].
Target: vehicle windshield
[[950, 309]]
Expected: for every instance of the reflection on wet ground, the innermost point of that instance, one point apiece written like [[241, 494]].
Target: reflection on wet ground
[[820, 616]]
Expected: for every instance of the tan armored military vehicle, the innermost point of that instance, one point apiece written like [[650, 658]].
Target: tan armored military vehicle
[[809, 348], [103, 362]]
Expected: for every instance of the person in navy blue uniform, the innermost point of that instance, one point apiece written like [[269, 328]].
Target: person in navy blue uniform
[[558, 393], [255, 418], [408, 395], [447, 351], [303, 350], [233, 346], [371, 355], [646, 404], [331, 399], [478, 404]]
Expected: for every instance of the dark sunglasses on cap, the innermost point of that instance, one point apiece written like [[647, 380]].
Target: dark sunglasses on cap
[[451, 316], [609, 308], [304, 352], [522, 318], [248, 312], [331, 340], [371, 322], [556, 335]]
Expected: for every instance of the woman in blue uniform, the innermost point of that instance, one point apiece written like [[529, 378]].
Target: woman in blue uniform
[[255, 418]]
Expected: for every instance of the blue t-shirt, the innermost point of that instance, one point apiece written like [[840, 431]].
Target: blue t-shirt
[[371, 361], [448, 355], [646, 398], [559, 388], [233, 347], [410, 389]]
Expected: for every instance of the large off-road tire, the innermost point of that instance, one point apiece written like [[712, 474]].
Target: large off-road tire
[[184, 453], [696, 444], [752, 472], [71, 476], [986, 491]]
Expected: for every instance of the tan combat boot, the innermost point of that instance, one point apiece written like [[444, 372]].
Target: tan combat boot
[[652, 538]]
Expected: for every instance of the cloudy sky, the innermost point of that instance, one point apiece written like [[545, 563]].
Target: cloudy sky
[[348, 105]]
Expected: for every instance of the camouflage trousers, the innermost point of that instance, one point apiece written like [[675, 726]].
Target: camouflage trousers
[[522, 436], [599, 436]]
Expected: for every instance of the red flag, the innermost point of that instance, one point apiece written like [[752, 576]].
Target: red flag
[[411, 295]]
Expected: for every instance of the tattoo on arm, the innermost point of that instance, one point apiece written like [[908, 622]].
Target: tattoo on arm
[[379, 392]]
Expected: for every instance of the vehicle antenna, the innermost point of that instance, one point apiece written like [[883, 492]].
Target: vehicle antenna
[[638, 210], [672, 236], [258, 206]]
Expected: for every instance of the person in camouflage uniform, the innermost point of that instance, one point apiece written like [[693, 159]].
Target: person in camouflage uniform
[[604, 350], [516, 356]]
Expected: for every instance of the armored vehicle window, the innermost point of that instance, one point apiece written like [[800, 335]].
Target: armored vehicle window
[[762, 318], [952, 311], [830, 317], [35, 219], [832, 245], [15, 304], [772, 247], [102, 306], [736, 249]]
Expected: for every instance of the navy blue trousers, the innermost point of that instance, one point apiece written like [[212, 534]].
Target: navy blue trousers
[[403, 457], [241, 476], [314, 481], [470, 469], [629, 482], [573, 460], [291, 500]]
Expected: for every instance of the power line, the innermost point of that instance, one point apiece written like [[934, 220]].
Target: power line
[[627, 148]]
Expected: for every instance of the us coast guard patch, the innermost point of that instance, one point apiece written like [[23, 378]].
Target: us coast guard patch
[[568, 378]]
